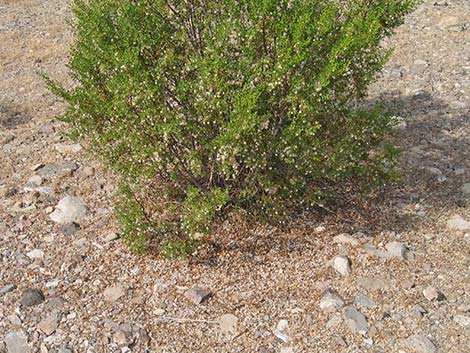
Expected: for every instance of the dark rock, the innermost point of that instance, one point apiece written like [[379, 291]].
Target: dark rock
[[198, 295], [32, 297], [69, 228]]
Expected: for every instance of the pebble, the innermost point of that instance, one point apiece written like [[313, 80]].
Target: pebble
[[69, 228], [331, 301], [431, 293], [35, 180], [420, 344], [69, 209], [373, 284], [462, 320], [111, 294], [16, 342], [32, 297], [7, 289], [397, 249], [342, 265], [36, 166], [466, 188], [49, 324], [22, 259], [345, 239], [228, 323], [121, 338], [355, 320], [456, 222], [65, 148], [281, 331], [36, 254], [110, 237], [364, 301], [198, 295]]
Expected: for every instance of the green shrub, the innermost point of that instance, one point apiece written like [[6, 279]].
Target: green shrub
[[204, 106]]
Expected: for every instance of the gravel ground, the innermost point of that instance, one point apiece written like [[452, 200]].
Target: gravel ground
[[408, 285]]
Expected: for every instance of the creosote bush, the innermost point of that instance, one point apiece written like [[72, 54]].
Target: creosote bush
[[204, 106]]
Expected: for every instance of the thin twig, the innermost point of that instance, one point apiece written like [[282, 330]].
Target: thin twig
[[183, 320]]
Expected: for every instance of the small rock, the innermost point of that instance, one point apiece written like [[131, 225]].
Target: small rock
[[281, 331], [342, 266], [69, 228], [364, 301], [58, 169], [22, 259], [407, 284], [122, 338], [65, 350], [330, 301], [49, 324], [198, 295], [69, 209], [373, 284], [462, 320], [456, 222], [111, 294], [420, 344], [466, 188], [66, 148], [16, 342], [355, 320], [7, 289], [36, 254], [35, 180], [111, 237], [36, 167], [32, 297], [431, 293], [14, 320], [396, 249], [228, 323], [452, 23], [287, 350], [333, 322], [346, 239]]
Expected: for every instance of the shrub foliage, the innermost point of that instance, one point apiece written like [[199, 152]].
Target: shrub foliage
[[205, 105]]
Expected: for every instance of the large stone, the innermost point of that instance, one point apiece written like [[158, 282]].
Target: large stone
[[69, 209], [58, 169], [331, 301], [342, 265], [420, 344], [111, 294], [355, 320], [198, 295], [457, 222], [16, 342], [32, 297]]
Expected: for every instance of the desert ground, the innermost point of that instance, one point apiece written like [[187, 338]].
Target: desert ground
[[386, 273]]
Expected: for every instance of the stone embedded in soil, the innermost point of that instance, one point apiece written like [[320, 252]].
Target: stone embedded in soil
[[111, 236], [57, 169], [7, 289], [69, 228], [49, 324], [122, 338], [397, 249], [16, 342], [342, 265], [35, 180], [373, 284], [346, 239], [355, 320], [198, 295], [457, 222], [69, 209], [466, 188], [331, 301], [364, 301], [36, 254], [281, 331], [111, 294], [32, 297], [228, 323], [420, 344], [431, 293], [22, 259], [462, 320]]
